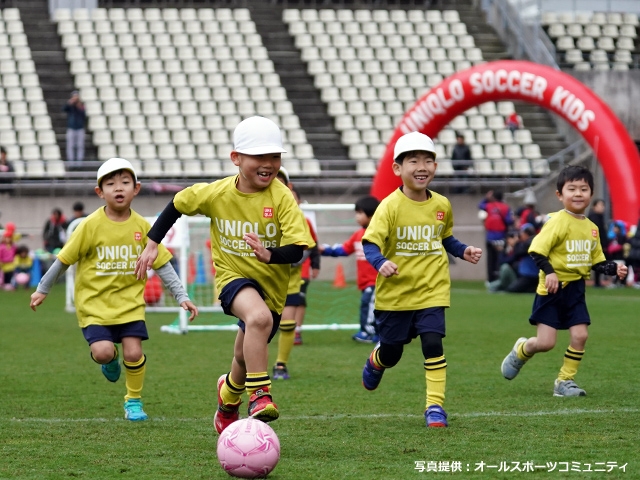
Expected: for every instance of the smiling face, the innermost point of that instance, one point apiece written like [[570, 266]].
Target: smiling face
[[256, 171], [416, 171], [575, 196], [118, 189]]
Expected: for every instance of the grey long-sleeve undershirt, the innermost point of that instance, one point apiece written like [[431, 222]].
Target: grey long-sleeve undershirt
[[166, 273]]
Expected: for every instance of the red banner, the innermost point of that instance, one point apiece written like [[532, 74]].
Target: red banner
[[530, 82]]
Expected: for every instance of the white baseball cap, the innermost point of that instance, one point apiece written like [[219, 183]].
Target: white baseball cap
[[413, 141], [257, 136], [113, 165]]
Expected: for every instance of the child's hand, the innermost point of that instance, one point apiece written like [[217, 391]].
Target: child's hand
[[188, 305], [322, 247], [388, 268], [622, 271], [472, 254], [254, 242], [36, 299], [314, 273], [551, 283], [146, 259]]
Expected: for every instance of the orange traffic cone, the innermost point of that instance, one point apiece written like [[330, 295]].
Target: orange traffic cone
[[339, 281]]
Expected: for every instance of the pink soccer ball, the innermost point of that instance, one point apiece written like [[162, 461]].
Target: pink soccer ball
[[248, 448], [22, 278]]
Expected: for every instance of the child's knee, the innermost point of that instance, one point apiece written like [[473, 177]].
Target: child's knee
[[260, 320], [579, 338], [390, 354], [102, 352], [431, 345], [132, 355]]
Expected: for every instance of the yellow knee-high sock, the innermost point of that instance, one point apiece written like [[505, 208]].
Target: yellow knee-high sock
[[285, 341], [258, 381], [571, 363], [436, 375], [134, 376], [231, 392]]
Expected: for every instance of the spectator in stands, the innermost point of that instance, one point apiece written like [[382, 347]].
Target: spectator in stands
[[496, 223], [76, 116], [596, 215], [55, 231], [461, 155], [528, 213], [6, 167], [7, 254], [513, 122]]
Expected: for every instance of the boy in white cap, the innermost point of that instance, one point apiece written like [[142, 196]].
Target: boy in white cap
[[108, 297], [257, 232], [407, 242]]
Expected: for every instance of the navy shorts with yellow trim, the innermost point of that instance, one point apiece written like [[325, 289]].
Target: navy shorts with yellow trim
[[115, 333], [563, 309], [400, 327], [230, 291], [293, 300]]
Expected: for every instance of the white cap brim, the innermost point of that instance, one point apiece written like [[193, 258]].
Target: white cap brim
[[261, 150]]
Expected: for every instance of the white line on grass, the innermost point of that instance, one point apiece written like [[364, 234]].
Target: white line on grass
[[569, 411]]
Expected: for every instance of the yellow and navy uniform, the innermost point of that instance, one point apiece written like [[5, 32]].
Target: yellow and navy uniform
[[106, 289], [295, 280], [271, 213], [572, 246], [410, 234], [22, 264]]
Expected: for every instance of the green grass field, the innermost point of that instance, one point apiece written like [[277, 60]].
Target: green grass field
[[59, 418]]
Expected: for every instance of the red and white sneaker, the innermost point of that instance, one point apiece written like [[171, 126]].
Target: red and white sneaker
[[226, 414], [261, 406]]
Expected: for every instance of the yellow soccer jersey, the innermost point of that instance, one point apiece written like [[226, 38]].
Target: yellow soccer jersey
[[106, 289], [272, 214], [410, 234], [572, 246], [22, 263]]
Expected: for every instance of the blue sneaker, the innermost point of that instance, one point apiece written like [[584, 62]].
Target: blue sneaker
[[112, 370], [133, 410], [435, 416], [280, 372], [371, 375], [364, 337]]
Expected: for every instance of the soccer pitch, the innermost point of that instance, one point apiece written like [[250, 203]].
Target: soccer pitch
[[59, 417]]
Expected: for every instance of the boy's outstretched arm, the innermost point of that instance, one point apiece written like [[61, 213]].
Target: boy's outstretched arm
[[374, 256], [458, 249], [337, 250], [46, 282], [610, 267], [171, 280], [158, 231]]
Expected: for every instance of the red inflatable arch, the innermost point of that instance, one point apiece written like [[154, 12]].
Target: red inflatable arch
[[530, 82]]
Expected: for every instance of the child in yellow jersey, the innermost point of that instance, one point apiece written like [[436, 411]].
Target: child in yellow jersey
[[407, 242], [566, 250], [294, 299], [257, 232], [108, 297]]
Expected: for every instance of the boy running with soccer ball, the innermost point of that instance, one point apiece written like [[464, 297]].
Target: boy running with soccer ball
[[566, 250], [109, 299], [407, 242], [257, 232]]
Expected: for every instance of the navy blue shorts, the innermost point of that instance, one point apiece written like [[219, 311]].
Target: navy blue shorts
[[563, 309], [115, 333], [230, 291], [293, 300], [400, 327], [303, 292]]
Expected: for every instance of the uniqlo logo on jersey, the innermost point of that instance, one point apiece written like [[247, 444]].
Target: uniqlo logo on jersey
[[137, 236], [594, 233], [440, 215], [267, 212]]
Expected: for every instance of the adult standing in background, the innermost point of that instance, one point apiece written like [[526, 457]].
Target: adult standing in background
[[596, 215], [496, 224], [54, 234], [461, 154], [76, 117]]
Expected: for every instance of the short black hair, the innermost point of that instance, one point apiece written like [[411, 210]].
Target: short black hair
[[573, 173], [367, 205], [497, 195], [3, 150], [597, 201], [459, 135], [22, 249], [78, 207]]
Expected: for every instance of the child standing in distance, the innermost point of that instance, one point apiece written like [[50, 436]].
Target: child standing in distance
[[8, 251], [257, 232], [108, 297], [366, 274], [566, 250], [407, 241], [293, 301]]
